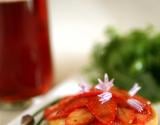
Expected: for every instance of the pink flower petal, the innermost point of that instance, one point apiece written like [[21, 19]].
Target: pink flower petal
[[105, 85], [135, 104], [105, 97], [134, 89], [106, 78], [84, 87]]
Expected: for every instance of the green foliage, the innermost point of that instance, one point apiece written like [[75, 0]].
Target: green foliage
[[129, 58]]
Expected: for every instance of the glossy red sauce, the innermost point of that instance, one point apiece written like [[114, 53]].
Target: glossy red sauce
[[116, 111], [25, 60]]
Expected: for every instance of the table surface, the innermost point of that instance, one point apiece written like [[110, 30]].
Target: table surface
[[6, 116]]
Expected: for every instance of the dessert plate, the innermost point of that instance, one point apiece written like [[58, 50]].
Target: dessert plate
[[66, 88]]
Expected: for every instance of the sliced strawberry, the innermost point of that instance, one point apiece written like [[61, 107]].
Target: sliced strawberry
[[105, 113], [96, 122], [125, 116], [120, 96], [79, 116], [58, 105], [147, 113], [140, 119], [117, 122], [52, 112], [73, 105], [68, 104], [144, 116], [88, 94]]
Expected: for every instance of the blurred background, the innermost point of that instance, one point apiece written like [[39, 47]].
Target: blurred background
[[77, 24], [81, 31]]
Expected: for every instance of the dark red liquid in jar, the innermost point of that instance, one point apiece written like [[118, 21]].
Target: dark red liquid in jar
[[25, 60]]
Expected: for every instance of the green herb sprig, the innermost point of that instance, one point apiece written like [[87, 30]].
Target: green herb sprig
[[129, 57]]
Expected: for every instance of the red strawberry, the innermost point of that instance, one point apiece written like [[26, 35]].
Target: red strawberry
[[68, 104], [52, 112], [125, 116], [146, 114], [79, 101], [88, 94], [104, 113], [74, 104], [120, 96]]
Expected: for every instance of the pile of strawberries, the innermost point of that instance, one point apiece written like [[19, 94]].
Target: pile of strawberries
[[114, 112]]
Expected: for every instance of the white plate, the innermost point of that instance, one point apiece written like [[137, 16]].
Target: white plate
[[66, 88]]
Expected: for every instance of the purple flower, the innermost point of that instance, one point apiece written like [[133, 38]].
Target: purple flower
[[135, 104], [84, 87], [104, 97], [105, 85], [134, 89]]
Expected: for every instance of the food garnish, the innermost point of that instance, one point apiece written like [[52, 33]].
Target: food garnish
[[103, 104], [128, 56]]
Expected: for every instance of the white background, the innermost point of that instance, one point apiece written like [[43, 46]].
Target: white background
[[76, 25]]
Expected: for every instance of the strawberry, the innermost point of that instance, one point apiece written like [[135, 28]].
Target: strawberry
[[79, 117], [120, 96], [74, 104], [114, 112], [104, 113], [146, 114], [89, 94], [52, 112], [68, 104], [125, 116]]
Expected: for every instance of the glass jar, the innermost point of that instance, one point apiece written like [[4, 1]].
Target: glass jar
[[25, 58]]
